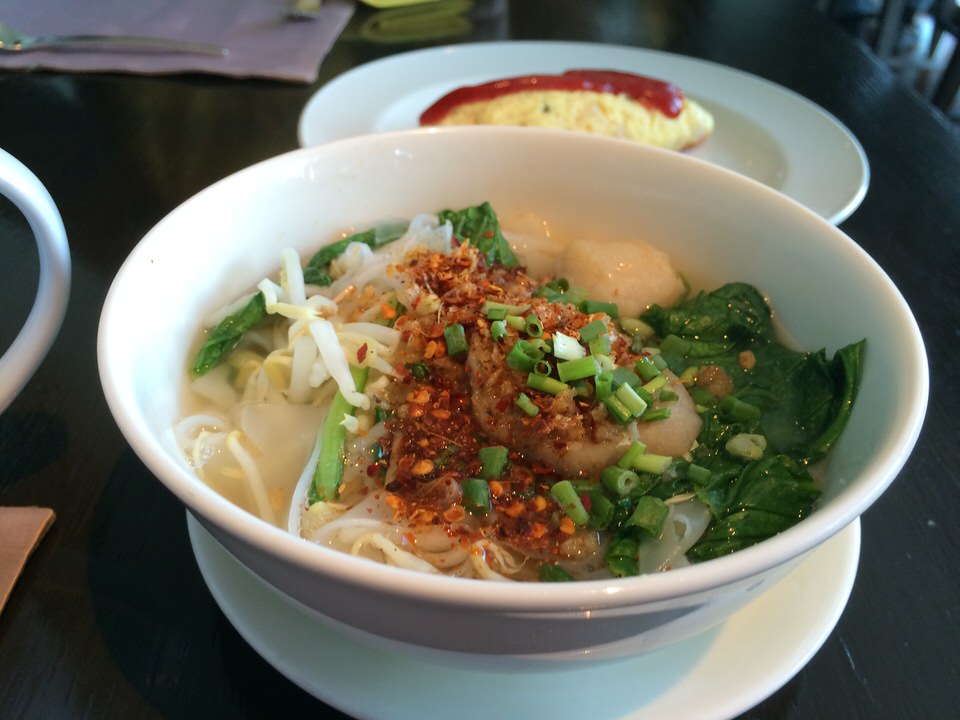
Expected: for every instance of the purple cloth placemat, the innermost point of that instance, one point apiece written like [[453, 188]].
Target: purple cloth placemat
[[260, 41]]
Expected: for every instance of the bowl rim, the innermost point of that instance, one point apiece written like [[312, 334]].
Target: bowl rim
[[210, 507]]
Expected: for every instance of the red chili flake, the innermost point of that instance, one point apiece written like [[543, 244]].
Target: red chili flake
[[488, 234], [586, 502], [361, 352]]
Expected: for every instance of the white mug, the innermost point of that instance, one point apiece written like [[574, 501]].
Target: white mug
[[36, 336]]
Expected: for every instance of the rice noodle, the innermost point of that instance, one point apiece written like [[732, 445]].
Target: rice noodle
[[249, 468]]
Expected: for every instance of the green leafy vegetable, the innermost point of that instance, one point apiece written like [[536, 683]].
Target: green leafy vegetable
[[317, 270], [329, 471], [791, 405], [225, 336], [479, 225]]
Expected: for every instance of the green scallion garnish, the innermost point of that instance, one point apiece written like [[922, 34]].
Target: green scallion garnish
[[493, 460], [646, 368], [635, 450], [649, 514], [567, 348], [527, 405], [523, 356], [546, 384], [592, 330], [456, 338], [566, 496], [476, 496], [533, 327], [588, 307], [579, 369], [620, 481]]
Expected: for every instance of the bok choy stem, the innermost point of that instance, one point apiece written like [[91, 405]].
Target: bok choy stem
[[328, 474]]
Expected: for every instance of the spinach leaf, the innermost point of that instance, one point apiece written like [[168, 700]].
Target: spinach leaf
[[768, 496], [479, 225], [803, 399], [734, 313], [225, 336], [317, 270]]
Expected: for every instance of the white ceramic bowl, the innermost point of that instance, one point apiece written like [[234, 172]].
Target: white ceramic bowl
[[717, 226]]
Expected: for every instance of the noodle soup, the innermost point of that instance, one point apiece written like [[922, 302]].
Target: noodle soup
[[417, 394]]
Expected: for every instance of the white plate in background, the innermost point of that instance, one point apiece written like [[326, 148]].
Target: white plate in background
[[763, 130]]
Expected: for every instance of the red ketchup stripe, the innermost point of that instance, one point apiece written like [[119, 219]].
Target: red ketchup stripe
[[663, 97]]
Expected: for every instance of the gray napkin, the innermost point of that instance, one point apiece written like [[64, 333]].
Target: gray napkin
[[259, 40]]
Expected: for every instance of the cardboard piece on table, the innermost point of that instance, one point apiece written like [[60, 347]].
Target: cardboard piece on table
[[21, 530]]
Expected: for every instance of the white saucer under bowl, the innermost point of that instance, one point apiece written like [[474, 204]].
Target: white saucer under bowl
[[717, 674]]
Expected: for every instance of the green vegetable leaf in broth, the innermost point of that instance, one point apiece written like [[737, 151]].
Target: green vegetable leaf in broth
[[228, 333], [317, 271], [479, 225]]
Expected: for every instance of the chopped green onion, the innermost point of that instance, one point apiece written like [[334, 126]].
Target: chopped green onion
[[659, 361], [592, 330], [498, 311], [524, 402], [542, 345], [585, 367], [476, 496], [567, 498], [601, 510], [649, 515], [620, 481], [658, 382], [633, 402], [636, 326], [625, 376], [653, 414], [554, 573], [498, 329], [533, 327], [635, 450], [621, 557], [746, 446], [493, 459], [737, 410], [515, 321], [600, 345], [456, 339], [604, 383], [621, 413], [542, 367], [646, 368], [667, 395], [651, 463], [553, 291], [589, 307], [546, 384], [523, 356], [566, 347]]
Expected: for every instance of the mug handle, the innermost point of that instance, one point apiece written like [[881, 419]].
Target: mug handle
[[36, 336]]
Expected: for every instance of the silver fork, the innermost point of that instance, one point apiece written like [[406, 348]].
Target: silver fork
[[14, 41]]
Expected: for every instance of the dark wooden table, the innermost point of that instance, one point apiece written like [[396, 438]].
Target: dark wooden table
[[112, 619]]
